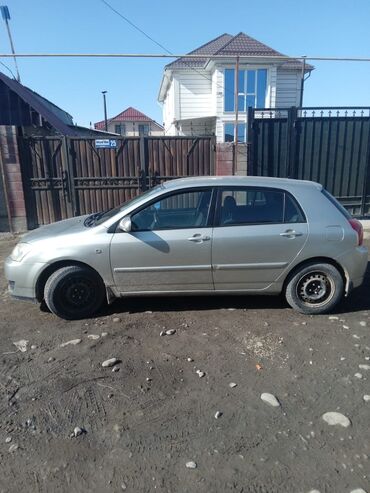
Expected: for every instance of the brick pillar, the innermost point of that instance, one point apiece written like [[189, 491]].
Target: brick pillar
[[13, 177], [224, 158]]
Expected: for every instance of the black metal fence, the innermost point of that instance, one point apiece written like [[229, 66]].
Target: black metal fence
[[327, 145]]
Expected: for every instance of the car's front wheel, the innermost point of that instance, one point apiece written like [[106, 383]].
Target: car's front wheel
[[74, 292], [315, 288]]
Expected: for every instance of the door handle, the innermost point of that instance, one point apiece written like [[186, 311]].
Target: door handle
[[198, 238], [290, 233]]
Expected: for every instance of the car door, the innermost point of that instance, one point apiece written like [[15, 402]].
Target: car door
[[169, 246], [257, 235]]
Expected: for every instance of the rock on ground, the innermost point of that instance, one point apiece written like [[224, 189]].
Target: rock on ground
[[333, 418], [191, 465], [21, 345], [270, 399], [110, 362], [72, 342]]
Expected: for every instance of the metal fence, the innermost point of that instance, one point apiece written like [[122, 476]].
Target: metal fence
[[327, 145], [65, 177]]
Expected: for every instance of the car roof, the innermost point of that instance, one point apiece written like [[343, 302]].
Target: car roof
[[260, 181]]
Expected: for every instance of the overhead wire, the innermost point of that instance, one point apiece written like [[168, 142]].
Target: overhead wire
[[125, 18], [9, 69]]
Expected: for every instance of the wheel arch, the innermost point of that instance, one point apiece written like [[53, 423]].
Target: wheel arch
[[50, 269], [326, 260]]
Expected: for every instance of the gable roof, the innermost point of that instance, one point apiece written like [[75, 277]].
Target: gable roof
[[209, 48], [54, 115], [130, 114], [239, 45]]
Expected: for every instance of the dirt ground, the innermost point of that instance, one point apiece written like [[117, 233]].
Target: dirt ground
[[144, 423]]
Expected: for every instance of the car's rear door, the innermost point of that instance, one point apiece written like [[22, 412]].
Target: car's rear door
[[169, 247], [258, 233]]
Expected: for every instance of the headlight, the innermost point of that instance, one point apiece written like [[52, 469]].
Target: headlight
[[20, 251]]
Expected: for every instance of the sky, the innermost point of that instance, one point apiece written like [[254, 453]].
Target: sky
[[338, 28]]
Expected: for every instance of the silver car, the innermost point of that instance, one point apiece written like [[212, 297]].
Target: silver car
[[212, 235]]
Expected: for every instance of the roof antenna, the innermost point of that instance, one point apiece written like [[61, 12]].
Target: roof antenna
[[6, 17]]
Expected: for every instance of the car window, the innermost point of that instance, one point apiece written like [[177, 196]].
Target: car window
[[112, 212], [258, 206], [292, 211], [188, 209]]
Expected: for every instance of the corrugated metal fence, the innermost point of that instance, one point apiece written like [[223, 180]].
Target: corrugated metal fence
[[327, 145]]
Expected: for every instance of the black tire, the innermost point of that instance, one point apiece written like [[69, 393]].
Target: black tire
[[315, 288], [74, 292]]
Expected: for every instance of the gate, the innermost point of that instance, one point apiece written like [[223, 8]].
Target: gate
[[327, 145], [65, 177]]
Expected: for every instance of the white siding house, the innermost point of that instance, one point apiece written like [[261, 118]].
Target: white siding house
[[198, 94]]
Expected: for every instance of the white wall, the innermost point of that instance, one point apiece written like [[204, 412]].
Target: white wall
[[199, 93], [169, 111], [194, 94], [132, 128], [288, 88]]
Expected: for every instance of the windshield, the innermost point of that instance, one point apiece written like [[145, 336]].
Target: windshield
[[101, 217]]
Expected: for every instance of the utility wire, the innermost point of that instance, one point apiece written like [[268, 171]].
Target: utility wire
[[135, 26], [164, 48], [9, 69]]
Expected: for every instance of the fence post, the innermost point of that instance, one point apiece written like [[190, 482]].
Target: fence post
[[290, 162], [250, 142], [69, 169], [212, 155], [143, 164]]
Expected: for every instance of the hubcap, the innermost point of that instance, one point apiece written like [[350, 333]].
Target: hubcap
[[78, 293], [315, 288]]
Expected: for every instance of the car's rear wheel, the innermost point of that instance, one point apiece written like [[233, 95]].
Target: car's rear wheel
[[315, 288], [74, 292]]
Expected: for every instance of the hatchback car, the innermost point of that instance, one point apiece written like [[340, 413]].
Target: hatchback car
[[211, 235]]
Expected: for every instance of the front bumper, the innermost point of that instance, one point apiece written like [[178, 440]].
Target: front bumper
[[22, 277]]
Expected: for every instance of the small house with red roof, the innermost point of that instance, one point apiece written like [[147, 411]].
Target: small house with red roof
[[198, 94], [131, 123]]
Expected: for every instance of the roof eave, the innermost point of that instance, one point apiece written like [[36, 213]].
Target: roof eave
[[165, 83]]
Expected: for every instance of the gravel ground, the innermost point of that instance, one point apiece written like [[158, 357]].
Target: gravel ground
[[183, 412]]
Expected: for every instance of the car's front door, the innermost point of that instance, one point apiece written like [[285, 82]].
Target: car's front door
[[169, 246], [258, 233]]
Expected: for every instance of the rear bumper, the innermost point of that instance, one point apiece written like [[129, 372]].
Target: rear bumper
[[354, 263]]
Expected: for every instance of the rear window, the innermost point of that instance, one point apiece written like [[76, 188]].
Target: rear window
[[336, 204], [258, 206]]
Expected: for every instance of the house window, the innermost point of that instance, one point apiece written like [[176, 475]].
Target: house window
[[143, 130], [229, 132], [251, 90], [120, 128]]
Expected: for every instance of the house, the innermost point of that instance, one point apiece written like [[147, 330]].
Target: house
[[25, 113], [198, 94], [131, 123]]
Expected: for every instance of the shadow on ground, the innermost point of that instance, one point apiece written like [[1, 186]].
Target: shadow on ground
[[358, 300]]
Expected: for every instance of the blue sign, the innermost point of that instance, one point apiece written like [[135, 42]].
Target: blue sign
[[105, 143]]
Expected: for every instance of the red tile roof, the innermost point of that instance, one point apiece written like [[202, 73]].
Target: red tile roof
[[128, 115]]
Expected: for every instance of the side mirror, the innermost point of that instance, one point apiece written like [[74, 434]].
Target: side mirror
[[125, 224]]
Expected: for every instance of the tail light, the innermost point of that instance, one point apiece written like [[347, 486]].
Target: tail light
[[357, 226]]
